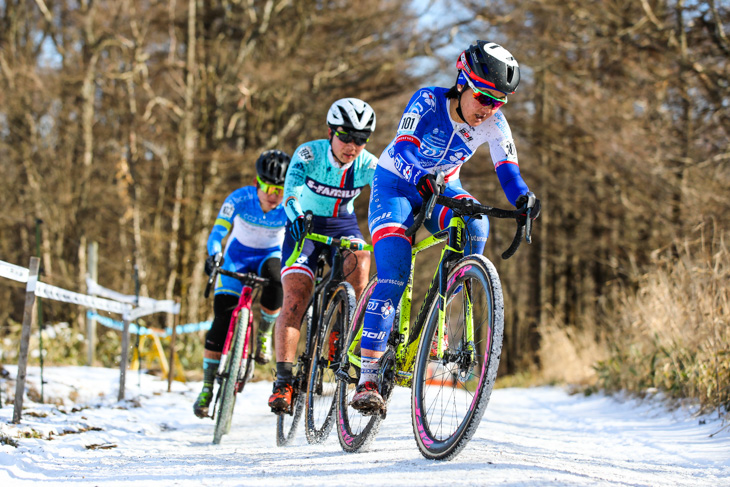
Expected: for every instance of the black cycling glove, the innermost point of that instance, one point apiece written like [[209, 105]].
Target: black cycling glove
[[210, 263], [525, 198], [426, 186]]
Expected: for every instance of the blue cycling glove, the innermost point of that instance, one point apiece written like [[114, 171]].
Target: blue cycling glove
[[297, 228]]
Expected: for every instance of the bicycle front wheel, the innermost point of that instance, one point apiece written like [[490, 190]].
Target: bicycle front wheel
[[354, 430], [321, 380], [230, 377], [455, 370], [286, 423], [248, 366]]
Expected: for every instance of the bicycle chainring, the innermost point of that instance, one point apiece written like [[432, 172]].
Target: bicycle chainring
[[386, 373]]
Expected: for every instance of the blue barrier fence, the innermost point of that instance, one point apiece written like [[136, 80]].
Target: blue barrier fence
[[142, 330]]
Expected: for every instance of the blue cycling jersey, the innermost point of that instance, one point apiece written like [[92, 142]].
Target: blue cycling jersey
[[316, 182], [428, 140], [252, 230]]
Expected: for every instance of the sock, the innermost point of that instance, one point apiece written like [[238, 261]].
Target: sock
[[284, 372], [267, 321], [210, 368], [369, 370]]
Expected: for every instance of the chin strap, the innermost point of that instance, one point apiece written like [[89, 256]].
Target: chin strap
[[459, 112], [458, 106], [334, 157]]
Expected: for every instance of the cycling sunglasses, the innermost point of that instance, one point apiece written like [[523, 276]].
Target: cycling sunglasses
[[270, 188], [484, 98], [347, 138]]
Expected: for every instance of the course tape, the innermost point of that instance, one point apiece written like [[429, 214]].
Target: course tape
[[14, 272], [126, 308], [142, 330], [58, 294], [143, 302]]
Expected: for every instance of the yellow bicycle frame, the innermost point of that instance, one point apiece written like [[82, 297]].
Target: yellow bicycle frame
[[405, 354]]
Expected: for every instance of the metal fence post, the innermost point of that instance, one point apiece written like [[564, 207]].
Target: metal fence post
[[25, 338]]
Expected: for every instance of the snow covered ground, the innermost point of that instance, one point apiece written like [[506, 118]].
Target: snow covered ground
[[538, 436]]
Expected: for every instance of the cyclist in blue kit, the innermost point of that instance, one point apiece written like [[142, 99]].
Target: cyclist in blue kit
[[255, 218], [439, 131], [325, 176]]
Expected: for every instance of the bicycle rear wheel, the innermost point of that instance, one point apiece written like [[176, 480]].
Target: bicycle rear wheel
[[450, 394], [286, 424], [230, 377], [355, 431], [321, 379]]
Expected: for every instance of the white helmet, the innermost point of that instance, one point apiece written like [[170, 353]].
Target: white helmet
[[351, 113]]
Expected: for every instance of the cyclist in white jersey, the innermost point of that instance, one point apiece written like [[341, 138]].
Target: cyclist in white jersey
[[255, 218], [439, 131], [324, 177]]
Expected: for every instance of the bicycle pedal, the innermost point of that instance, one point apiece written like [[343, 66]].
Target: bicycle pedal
[[279, 412], [373, 412]]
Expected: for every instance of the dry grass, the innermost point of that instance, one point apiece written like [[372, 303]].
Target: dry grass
[[671, 334], [569, 354], [674, 333]]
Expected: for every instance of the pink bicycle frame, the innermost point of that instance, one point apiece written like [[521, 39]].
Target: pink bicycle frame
[[245, 301]]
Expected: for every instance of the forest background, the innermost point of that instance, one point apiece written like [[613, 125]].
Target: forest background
[[128, 122]]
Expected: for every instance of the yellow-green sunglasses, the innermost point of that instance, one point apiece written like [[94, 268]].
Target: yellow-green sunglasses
[[270, 188]]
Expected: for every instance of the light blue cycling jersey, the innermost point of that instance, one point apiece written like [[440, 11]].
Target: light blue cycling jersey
[[316, 182], [428, 140], [253, 232]]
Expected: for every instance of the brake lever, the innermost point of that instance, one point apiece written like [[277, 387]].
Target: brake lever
[[214, 274], [440, 186]]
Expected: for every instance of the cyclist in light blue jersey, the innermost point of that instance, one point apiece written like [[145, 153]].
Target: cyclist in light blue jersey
[[255, 218], [438, 132], [325, 176]]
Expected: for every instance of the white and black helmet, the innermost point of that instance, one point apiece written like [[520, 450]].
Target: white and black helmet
[[353, 114], [489, 65]]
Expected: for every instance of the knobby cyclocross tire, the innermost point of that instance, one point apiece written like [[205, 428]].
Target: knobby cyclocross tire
[[321, 379], [228, 385], [286, 424], [449, 395], [354, 430], [248, 365]]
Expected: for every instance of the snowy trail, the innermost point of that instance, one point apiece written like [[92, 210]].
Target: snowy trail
[[540, 436]]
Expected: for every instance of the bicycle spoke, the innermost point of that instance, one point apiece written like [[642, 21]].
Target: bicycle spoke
[[450, 394], [229, 382], [286, 424], [322, 382], [354, 430]]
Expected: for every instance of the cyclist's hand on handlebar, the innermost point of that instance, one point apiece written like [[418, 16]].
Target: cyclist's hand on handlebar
[[298, 228], [212, 261], [427, 186], [529, 200]]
